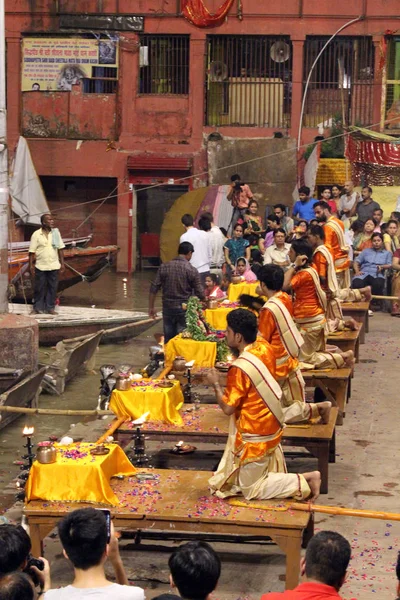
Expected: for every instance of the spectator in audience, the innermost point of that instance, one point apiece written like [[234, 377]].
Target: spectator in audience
[[324, 569], [348, 201], [201, 242], [252, 221], [395, 284], [326, 196], [273, 223], [299, 232], [304, 207], [15, 548], [278, 253], [363, 240], [239, 196], [84, 537], [236, 247], [336, 193], [390, 237], [370, 266], [365, 209], [378, 218], [243, 270], [16, 586], [395, 215], [195, 569], [212, 289], [287, 223], [217, 241]]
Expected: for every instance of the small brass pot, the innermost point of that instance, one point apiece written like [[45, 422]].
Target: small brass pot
[[46, 453]]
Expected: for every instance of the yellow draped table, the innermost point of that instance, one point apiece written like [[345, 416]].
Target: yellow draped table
[[78, 476], [163, 404], [216, 317], [203, 353], [235, 290]]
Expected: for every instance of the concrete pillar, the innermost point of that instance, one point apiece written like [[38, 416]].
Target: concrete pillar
[[19, 342]]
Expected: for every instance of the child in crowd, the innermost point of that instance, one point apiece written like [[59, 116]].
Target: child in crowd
[[242, 268], [195, 569], [212, 288]]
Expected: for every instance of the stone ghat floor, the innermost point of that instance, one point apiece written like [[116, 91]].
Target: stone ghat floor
[[365, 475]]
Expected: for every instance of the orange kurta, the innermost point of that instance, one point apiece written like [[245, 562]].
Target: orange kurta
[[332, 242], [252, 414], [269, 331], [306, 301], [320, 264]]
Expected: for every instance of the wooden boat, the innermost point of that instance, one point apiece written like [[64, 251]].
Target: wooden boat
[[73, 322], [24, 394], [80, 264]]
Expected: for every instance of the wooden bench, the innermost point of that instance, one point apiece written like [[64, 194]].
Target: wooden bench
[[180, 501], [347, 340], [209, 424], [359, 312]]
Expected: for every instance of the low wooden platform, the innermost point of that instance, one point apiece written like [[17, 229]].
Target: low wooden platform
[[359, 312], [180, 501], [347, 340], [209, 424]]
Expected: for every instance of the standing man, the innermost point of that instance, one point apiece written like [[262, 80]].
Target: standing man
[[217, 245], [287, 223], [239, 195], [348, 201], [335, 241], [366, 208], [178, 280], [303, 209], [46, 261], [201, 242], [253, 463]]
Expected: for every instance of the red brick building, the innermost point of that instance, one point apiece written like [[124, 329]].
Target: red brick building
[[141, 112]]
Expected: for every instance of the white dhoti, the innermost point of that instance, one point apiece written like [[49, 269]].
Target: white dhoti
[[313, 350], [295, 408], [343, 278]]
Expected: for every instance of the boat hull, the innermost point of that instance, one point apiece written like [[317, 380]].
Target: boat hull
[[80, 264]]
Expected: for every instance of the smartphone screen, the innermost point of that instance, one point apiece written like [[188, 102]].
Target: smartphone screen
[[107, 515]]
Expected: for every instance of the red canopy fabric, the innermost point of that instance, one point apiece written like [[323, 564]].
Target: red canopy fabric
[[198, 14], [373, 152]]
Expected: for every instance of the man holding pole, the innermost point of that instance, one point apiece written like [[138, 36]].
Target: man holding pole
[[46, 261]]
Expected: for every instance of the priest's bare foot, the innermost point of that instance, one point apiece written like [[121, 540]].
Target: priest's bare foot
[[348, 358], [324, 410], [314, 481], [351, 324], [366, 292]]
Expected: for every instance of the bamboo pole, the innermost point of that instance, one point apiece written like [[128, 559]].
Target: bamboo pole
[[114, 425], [54, 411], [132, 325], [384, 297]]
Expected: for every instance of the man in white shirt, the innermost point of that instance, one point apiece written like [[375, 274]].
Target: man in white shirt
[[87, 543], [201, 242], [217, 244], [348, 201]]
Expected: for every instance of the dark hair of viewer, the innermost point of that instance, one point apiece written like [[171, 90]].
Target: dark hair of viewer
[[302, 247], [317, 230], [15, 545], [83, 534], [244, 322], [187, 220], [272, 277], [195, 569], [204, 224], [327, 558], [184, 248], [16, 586], [323, 204], [304, 190]]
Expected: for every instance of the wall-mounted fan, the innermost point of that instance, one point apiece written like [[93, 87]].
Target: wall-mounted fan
[[218, 71], [280, 52]]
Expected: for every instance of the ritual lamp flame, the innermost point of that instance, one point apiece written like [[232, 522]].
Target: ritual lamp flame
[[28, 431], [229, 358]]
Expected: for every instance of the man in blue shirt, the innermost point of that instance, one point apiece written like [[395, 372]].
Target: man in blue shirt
[[370, 266], [304, 208]]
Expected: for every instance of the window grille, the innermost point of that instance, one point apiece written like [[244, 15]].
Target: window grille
[[104, 80], [392, 111], [164, 64]]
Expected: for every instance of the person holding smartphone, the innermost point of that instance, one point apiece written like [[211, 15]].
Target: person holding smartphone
[[88, 539]]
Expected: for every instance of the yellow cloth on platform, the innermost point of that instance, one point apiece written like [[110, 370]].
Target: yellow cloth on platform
[[235, 290], [162, 403], [216, 317], [78, 476], [204, 353]]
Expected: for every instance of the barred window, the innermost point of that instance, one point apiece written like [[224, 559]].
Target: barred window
[[341, 85], [248, 80], [104, 80], [164, 64], [392, 102]]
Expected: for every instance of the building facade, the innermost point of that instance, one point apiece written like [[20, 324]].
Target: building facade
[[131, 103]]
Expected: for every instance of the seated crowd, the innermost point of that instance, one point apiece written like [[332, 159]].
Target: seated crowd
[[195, 567]]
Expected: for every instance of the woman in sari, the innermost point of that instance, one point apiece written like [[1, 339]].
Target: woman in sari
[[390, 237], [362, 241], [243, 269], [253, 222]]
